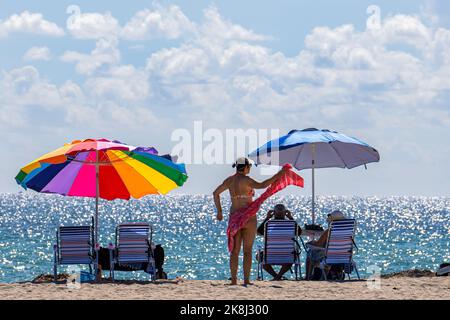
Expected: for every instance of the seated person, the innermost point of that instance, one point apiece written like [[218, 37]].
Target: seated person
[[317, 247], [104, 263], [279, 212]]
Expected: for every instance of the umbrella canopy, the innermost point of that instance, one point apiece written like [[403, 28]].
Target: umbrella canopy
[[313, 148], [101, 168]]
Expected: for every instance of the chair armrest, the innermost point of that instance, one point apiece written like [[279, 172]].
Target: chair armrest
[[354, 244], [312, 247], [303, 244]]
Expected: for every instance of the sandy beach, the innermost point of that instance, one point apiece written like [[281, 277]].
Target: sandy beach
[[390, 288]]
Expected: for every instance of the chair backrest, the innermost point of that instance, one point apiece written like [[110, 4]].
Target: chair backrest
[[339, 247], [133, 242], [75, 244], [279, 242]]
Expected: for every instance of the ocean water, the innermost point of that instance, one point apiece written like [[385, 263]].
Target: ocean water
[[394, 233]]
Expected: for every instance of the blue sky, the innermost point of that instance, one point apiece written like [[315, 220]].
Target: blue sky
[[137, 71]]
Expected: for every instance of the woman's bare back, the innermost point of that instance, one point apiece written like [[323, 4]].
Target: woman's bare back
[[241, 191]]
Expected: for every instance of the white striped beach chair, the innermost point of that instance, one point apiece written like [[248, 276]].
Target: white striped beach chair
[[280, 246], [74, 246], [339, 248], [133, 247]]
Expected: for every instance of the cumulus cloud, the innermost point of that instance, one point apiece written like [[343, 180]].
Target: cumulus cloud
[[114, 99], [33, 23], [215, 26], [120, 83], [168, 22], [394, 78], [37, 53], [104, 53], [160, 22], [391, 79], [24, 88], [93, 25]]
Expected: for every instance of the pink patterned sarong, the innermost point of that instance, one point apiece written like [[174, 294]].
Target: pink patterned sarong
[[241, 216]]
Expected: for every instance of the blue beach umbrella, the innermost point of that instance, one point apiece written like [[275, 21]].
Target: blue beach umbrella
[[313, 148]]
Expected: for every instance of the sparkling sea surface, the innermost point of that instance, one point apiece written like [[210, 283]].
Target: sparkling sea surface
[[394, 233]]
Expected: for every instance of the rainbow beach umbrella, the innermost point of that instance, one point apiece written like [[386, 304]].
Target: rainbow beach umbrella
[[100, 168]]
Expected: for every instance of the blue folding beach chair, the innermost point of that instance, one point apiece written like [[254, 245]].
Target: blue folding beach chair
[[75, 246], [280, 246], [339, 248], [133, 247]]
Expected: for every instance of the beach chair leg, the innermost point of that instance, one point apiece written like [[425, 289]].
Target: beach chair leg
[[258, 276], [95, 270], [55, 264], [356, 269], [154, 270], [262, 271], [324, 275], [55, 272], [298, 266], [111, 265], [257, 269]]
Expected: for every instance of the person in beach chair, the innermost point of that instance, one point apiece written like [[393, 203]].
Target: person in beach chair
[[134, 250], [333, 251], [104, 262], [280, 232], [74, 246]]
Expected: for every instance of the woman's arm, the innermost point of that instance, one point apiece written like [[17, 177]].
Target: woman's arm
[[322, 242], [264, 184], [216, 194]]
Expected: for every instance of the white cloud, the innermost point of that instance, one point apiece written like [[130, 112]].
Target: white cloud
[[186, 62], [160, 22], [216, 27], [105, 53], [343, 77], [117, 98], [27, 22], [37, 53], [24, 88], [393, 78], [122, 83], [406, 29], [93, 26]]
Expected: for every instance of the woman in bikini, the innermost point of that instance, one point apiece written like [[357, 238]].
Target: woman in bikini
[[241, 188]]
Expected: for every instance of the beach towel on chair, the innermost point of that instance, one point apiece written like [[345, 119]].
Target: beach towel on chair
[[240, 217]]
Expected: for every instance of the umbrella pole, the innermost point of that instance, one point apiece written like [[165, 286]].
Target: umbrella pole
[[313, 146], [96, 196]]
